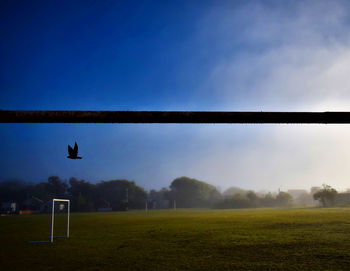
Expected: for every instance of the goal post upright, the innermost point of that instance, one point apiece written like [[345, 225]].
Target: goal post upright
[[52, 219], [68, 218]]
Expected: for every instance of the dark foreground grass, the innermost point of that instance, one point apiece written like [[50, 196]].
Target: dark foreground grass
[[265, 239]]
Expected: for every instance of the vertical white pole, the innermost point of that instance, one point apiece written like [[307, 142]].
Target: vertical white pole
[[52, 219], [146, 206], [68, 219]]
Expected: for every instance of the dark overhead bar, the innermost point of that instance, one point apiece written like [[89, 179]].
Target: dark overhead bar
[[19, 116]]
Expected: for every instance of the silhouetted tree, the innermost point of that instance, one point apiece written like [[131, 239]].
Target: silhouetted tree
[[14, 190], [159, 199], [56, 187], [82, 195], [326, 195], [284, 199], [267, 201], [253, 198], [117, 191], [190, 193]]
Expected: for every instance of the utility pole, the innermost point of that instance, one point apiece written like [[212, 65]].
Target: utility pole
[[146, 205]]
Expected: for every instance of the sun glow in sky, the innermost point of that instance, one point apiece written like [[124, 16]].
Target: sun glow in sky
[[180, 55]]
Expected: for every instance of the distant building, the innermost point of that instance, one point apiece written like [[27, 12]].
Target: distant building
[[8, 208]]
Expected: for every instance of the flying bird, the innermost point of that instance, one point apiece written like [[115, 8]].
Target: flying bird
[[73, 153]]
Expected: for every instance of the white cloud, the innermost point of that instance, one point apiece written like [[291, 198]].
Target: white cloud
[[294, 58], [278, 58]]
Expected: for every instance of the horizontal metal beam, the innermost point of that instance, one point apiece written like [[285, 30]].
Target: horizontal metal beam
[[172, 117]]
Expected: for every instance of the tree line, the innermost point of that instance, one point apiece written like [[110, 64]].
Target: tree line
[[84, 196], [117, 195]]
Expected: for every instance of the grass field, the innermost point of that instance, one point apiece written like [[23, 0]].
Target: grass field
[[260, 239]]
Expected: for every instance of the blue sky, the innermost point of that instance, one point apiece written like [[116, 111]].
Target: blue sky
[[177, 55]]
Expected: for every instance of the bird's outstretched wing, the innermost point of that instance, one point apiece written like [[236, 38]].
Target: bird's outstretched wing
[[75, 149], [70, 150]]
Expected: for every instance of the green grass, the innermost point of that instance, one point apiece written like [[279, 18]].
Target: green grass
[[259, 239]]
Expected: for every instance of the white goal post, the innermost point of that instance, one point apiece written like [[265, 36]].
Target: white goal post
[[53, 218], [53, 222]]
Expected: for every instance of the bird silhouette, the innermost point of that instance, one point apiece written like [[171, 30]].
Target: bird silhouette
[[73, 153]]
